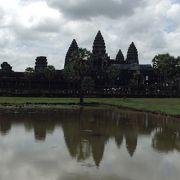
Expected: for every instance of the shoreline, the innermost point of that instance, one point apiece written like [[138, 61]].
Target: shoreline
[[144, 111], [56, 106]]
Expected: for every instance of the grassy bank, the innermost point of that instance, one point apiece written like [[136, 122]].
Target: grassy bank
[[168, 105], [32, 100]]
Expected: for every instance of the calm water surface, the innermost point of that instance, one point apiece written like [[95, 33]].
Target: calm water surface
[[85, 144]]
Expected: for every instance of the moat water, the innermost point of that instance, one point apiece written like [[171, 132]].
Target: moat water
[[88, 144]]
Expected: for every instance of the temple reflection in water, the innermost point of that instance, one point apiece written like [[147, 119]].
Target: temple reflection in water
[[87, 131]]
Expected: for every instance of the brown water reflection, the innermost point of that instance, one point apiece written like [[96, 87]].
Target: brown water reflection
[[93, 138]]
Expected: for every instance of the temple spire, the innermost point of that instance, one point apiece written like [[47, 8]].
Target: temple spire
[[132, 55], [99, 44], [100, 58], [131, 141], [120, 57], [73, 47]]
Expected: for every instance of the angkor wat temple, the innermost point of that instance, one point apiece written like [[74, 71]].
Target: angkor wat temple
[[134, 79]]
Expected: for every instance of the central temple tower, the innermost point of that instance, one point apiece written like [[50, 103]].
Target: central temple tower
[[100, 59]]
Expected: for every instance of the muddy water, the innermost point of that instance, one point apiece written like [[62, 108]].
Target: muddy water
[[88, 143]]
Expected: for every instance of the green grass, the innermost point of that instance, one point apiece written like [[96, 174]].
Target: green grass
[[168, 105], [32, 100]]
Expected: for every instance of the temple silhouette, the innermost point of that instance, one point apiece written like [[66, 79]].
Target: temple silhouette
[[134, 79]]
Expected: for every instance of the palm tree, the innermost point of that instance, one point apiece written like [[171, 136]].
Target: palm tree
[[78, 67]]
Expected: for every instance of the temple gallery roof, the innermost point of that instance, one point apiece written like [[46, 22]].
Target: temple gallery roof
[[133, 67]]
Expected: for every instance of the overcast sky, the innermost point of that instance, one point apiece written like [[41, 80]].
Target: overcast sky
[[31, 28]]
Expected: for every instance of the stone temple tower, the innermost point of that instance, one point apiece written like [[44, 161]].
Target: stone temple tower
[[132, 55], [120, 58], [100, 58], [73, 47], [40, 64]]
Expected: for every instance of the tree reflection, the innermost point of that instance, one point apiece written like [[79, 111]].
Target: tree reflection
[[5, 126], [166, 140], [87, 131]]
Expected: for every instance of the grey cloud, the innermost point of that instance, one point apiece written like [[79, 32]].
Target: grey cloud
[[89, 177], [2, 18], [1, 14], [51, 36], [87, 9], [48, 26], [38, 31]]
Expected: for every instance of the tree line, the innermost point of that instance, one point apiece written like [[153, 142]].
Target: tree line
[[167, 66]]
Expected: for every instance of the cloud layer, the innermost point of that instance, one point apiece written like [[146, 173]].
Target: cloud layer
[[85, 9], [30, 28]]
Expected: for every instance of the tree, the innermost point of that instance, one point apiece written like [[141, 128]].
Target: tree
[[29, 70], [178, 66], [50, 68], [166, 65], [164, 140], [112, 74], [78, 67]]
